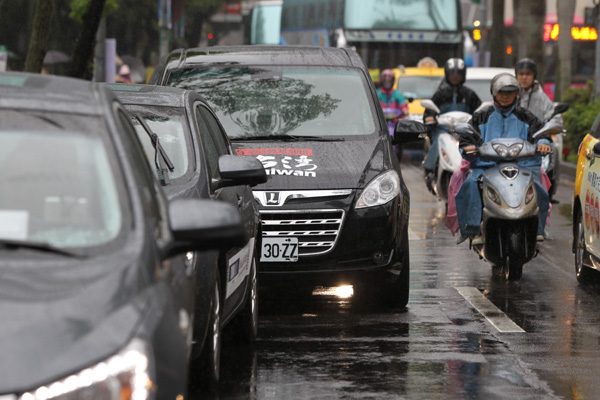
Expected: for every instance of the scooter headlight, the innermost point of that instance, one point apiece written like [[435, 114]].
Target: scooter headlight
[[493, 195], [529, 195], [515, 149], [380, 191], [501, 149]]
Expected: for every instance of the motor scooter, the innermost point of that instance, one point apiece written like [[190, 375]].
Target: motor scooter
[[510, 207], [391, 115], [449, 159]]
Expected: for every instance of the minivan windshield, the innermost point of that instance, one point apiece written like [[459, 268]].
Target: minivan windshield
[[276, 101], [58, 186]]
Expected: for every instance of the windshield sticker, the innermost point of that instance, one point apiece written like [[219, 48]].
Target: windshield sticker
[[287, 165], [274, 151], [14, 224]]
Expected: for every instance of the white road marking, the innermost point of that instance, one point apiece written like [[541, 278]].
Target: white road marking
[[492, 313]]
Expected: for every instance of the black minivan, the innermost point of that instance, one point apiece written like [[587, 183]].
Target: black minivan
[[335, 208]]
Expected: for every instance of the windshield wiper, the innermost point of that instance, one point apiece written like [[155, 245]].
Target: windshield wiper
[[290, 138], [41, 246], [159, 153]]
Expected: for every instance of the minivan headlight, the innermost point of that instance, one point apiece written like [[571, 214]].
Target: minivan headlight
[[126, 375], [381, 190]]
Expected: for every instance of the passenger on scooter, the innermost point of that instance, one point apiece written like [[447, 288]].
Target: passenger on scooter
[[504, 119], [533, 97], [451, 95], [390, 97]]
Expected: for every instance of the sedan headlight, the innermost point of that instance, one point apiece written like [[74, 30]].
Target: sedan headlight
[[126, 375], [380, 191]]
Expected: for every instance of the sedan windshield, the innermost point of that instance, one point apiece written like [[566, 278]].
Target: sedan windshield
[[170, 124], [58, 186], [302, 102]]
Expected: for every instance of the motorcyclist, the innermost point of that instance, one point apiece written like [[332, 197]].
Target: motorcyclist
[[533, 97], [451, 95], [390, 97], [503, 119]]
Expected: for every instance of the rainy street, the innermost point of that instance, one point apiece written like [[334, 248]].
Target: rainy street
[[466, 333]]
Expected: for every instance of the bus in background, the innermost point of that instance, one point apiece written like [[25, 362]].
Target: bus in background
[[386, 33], [264, 22]]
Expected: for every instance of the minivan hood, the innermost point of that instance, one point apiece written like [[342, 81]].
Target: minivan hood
[[311, 165], [60, 316]]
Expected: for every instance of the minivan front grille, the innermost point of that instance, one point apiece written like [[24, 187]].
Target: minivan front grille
[[317, 230]]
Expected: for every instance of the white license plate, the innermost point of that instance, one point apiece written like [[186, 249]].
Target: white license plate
[[279, 249]]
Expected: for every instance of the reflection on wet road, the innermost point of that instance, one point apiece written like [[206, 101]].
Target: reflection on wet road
[[334, 345]]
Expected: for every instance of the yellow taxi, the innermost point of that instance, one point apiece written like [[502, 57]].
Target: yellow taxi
[[586, 210], [416, 84]]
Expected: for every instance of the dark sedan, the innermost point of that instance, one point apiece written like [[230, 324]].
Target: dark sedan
[[96, 300], [335, 208], [192, 157]]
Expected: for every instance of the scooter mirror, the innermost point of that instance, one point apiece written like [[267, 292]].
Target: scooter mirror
[[430, 105], [560, 108], [409, 131], [484, 105]]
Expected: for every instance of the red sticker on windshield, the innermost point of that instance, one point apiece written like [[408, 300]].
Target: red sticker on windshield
[[274, 151]]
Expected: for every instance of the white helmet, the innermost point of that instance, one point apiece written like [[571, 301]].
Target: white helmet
[[504, 82]]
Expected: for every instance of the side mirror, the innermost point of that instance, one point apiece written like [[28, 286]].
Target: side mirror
[[560, 108], [407, 131], [430, 105], [204, 225], [596, 149], [484, 105], [238, 170]]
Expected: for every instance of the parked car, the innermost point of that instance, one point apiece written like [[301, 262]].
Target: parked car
[[586, 210], [192, 156], [96, 299], [335, 208]]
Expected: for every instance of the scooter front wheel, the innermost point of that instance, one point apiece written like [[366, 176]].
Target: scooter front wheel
[[513, 271]]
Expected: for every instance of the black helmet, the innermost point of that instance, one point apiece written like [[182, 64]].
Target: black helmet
[[526, 63], [455, 66]]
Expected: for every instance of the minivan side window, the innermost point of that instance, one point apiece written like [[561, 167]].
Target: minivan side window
[[209, 147], [216, 131]]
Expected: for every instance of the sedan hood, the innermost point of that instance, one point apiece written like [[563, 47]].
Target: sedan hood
[[316, 165], [60, 316]]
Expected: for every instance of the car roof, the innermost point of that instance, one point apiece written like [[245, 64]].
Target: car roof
[[487, 72], [154, 95], [266, 55], [53, 93]]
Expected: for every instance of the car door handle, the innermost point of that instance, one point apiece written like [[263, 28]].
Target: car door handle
[[240, 201]]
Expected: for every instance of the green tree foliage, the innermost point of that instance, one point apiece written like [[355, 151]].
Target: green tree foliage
[[581, 114], [79, 7]]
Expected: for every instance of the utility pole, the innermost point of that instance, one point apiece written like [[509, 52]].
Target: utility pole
[[596, 14], [164, 26], [484, 54]]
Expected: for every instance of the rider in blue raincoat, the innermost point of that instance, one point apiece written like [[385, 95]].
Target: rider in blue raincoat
[[502, 120]]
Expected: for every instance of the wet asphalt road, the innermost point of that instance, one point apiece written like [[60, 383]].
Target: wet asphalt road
[[441, 346]]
